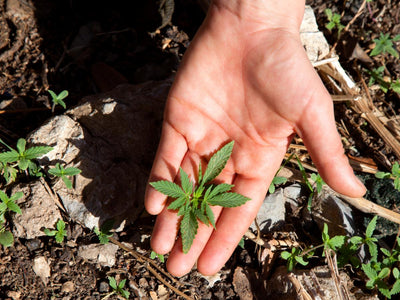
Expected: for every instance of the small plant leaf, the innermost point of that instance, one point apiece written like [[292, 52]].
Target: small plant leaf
[[49, 232], [202, 217], [37, 151], [68, 183], [62, 95], [9, 156], [168, 188], [210, 215], [112, 283], [188, 230], [71, 171], [14, 207], [177, 203], [228, 200], [217, 163], [218, 189], [21, 143], [153, 255], [371, 227], [381, 175], [6, 238], [187, 186]]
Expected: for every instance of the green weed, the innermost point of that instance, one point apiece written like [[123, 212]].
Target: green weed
[[118, 288], [384, 44], [58, 99], [334, 21], [59, 171], [59, 233]]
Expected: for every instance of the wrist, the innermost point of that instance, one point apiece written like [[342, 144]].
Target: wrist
[[264, 14]]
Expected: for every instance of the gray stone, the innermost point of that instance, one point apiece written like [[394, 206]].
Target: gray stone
[[112, 138], [38, 211], [273, 210], [97, 253]]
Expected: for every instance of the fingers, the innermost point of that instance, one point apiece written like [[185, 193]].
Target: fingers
[[318, 131], [233, 223], [170, 153]]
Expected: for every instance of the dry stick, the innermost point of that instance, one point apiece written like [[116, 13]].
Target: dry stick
[[144, 259], [359, 12], [362, 204]]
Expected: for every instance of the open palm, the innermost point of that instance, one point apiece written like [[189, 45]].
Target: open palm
[[257, 89]]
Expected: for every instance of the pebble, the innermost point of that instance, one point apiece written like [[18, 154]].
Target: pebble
[[104, 287], [68, 287]]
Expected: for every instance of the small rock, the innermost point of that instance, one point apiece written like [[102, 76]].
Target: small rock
[[102, 254], [41, 268], [68, 287], [38, 211], [211, 280], [104, 287], [33, 245], [162, 292], [273, 209], [143, 283], [14, 295]]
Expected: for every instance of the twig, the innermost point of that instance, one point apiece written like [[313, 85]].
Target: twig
[[341, 290], [144, 259]]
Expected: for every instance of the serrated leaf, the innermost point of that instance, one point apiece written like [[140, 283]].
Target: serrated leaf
[[125, 294], [396, 273], [188, 230], [37, 151], [23, 163], [6, 238], [369, 271], [168, 188], [14, 207], [16, 196], [122, 284], [60, 225], [177, 203], [373, 250], [71, 171], [9, 156], [68, 183], [385, 251], [182, 210], [217, 163], [4, 197], [210, 215], [202, 217], [187, 186], [279, 180], [228, 200], [219, 189], [56, 171], [356, 240], [3, 208], [337, 241], [60, 236], [395, 288], [371, 227], [21, 143], [112, 282]]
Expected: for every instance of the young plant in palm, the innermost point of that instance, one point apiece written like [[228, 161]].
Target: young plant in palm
[[193, 201]]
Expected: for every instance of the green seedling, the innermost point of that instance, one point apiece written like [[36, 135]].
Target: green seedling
[[22, 158], [384, 44], [293, 258], [241, 243], [58, 233], [319, 182], [59, 171], [279, 179], [7, 205], [377, 279], [104, 232], [276, 181], [193, 201], [58, 99], [395, 174], [334, 21], [153, 255], [376, 76], [118, 288], [332, 243]]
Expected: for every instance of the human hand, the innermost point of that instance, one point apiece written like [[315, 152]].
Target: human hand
[[248, 80]]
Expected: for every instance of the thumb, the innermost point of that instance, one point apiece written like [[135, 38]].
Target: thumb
[[318, 130]]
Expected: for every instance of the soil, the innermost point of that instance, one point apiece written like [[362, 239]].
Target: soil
[[71, 45]]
